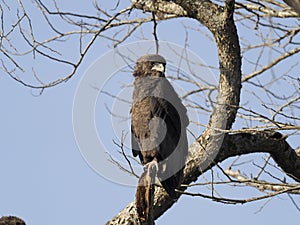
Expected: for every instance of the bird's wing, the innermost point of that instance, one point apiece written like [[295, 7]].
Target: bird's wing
[[173, 149], [134, 143]]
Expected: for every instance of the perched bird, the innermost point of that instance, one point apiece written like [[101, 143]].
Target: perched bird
[[158, 127]]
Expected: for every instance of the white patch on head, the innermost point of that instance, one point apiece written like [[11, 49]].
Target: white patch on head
[[158, 67]]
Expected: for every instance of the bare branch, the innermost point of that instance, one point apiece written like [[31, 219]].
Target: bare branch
[[234, 144], [272, 64], [267, 11]]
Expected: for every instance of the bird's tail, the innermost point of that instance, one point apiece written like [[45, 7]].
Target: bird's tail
[[145, 194]]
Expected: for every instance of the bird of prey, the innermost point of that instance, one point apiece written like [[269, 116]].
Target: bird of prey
[[158, 127]]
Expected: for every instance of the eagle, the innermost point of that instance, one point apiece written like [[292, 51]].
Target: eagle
[[158, 131]]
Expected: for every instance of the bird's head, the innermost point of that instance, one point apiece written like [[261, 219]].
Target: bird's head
[[159, 67], [150, 65]]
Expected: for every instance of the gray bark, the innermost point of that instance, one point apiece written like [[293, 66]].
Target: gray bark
[[233, 145]]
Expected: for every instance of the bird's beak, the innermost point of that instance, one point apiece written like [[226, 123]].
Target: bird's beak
[[158, 67]]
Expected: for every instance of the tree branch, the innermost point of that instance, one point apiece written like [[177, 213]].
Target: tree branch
[[233, 145], [263, 185], [263, 141], [272, 64]]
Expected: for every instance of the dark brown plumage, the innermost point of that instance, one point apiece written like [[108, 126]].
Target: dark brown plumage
[[158, 128]]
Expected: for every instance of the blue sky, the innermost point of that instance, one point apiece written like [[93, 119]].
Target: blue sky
[[46, 180]]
